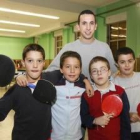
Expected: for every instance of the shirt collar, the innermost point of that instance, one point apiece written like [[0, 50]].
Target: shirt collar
[[110, 88]]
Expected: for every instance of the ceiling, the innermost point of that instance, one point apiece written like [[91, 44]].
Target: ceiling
[[67, 10]]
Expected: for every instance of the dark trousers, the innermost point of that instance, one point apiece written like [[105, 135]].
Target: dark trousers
[[135, 136]]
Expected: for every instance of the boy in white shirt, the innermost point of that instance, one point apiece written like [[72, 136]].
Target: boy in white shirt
[[130, 80]]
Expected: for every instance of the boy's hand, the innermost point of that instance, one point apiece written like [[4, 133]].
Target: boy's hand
[[102, 120], [134, 117], [21, 80], [89, 88]]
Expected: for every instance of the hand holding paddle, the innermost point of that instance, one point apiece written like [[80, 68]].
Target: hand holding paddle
[[102, 120], [134, 117]]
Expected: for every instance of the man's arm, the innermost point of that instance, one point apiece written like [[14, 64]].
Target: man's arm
[[111, 60], [52, 76], [88, 86]]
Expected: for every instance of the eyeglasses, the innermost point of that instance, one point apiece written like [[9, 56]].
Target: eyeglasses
[[96, 71]]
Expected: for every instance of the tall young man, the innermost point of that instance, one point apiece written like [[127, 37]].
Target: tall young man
[[87, 46]]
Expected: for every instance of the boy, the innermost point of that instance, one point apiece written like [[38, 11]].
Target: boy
[[66, 121], [130, 80], [100, 126], [32, 120]]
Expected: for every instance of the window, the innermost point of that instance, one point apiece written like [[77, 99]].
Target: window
[[116, 35], [58, 44]]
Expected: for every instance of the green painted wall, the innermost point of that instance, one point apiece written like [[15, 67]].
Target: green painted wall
[[133, 29], [47, 41], [133, 22], [100, 33], [13, 47], [68, 35]]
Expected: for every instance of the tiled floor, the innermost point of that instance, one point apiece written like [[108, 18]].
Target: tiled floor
[[7, 124]]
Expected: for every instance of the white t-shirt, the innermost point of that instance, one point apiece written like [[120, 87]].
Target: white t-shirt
[[132, 88]]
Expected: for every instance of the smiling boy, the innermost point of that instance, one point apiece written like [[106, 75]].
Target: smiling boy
[[130, 80], [104, 126]]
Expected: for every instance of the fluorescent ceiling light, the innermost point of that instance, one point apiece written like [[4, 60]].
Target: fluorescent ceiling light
[[27, 13], [8, 30], [19, 23]]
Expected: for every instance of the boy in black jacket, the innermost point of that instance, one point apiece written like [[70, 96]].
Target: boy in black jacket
[[32, 120]]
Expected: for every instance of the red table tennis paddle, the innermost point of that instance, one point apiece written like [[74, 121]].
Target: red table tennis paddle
[[138, 109], [112, 104]]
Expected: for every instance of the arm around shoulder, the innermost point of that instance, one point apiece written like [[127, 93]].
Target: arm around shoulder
[[88, 86], [52, 76]]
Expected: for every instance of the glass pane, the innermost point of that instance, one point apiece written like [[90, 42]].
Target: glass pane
[[58, 44], [113, 47], [122, 30], [121, 43], [117, 35], [59, 37], [114, 31]]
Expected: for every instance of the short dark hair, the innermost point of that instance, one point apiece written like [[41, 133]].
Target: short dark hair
[[97, 59], [67, 54], [125, 51], [86, 12], [33, 47]]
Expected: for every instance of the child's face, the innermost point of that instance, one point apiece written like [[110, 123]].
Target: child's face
[[126, 64], [33, 64], [100, 74], [71, 69]]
